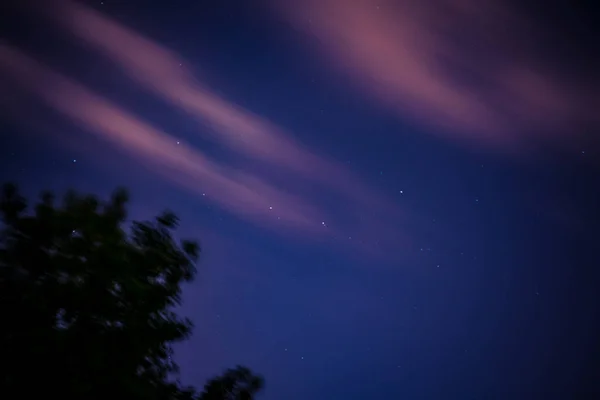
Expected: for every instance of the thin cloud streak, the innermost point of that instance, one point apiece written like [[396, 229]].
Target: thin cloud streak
[[164, 73], [241, 193], [161, 71], [466, 68]]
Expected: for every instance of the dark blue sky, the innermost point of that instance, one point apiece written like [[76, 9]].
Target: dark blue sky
[[395, 199]]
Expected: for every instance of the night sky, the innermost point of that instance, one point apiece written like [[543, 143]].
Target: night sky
[[395, 199]]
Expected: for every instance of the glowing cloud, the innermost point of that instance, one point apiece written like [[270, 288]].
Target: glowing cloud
[[166, 74], [462, 67], [239, 192]]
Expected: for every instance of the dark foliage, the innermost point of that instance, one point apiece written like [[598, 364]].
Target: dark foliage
[[238, 383], [87, 307]]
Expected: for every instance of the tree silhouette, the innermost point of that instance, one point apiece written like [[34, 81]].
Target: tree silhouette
[[235, 384], [87, 306]]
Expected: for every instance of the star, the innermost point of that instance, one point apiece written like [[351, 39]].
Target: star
[[74, 160], [270, 208]]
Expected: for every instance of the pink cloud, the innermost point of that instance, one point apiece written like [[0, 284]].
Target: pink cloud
[[465, 68], [242, 193], [167, 75]]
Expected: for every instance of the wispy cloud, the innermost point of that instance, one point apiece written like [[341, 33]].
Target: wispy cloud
[[362, 216], [465, 68], [166, 74], [242, 193]]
